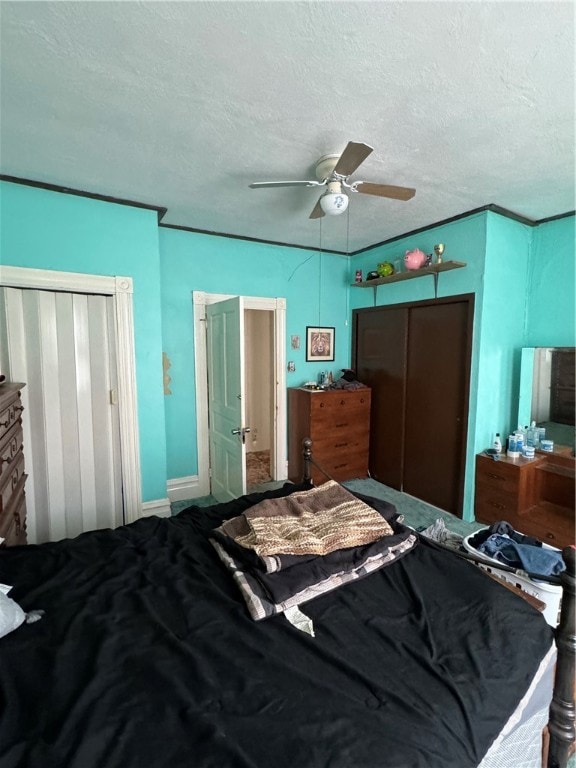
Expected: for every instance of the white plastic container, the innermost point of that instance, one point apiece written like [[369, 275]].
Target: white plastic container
[[550, 594]]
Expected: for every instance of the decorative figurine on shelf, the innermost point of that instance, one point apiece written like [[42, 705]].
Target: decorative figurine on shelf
[[414, 259], [439, 250], [385, 269]]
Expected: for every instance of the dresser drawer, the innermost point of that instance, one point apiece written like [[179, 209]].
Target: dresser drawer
[[505, 477], [339, 431], [13, 523], [556, 537], [10, 445], [493, 504], [549, 523], [12, 479], [9, 416], [339, 402], [344, 467], [348, 441]]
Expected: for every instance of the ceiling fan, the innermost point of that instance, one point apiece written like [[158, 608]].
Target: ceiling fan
[[333, 172]]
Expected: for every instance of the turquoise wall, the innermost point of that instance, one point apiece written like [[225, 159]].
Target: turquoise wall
[[523, 279], [504, 314], [49, 230], [551, 318], [465, 240], [315, 286]]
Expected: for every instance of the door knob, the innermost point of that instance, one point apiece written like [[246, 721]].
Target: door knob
[[242, 431]]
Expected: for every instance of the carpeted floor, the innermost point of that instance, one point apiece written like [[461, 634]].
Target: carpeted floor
[[416, 513], [257, 468]]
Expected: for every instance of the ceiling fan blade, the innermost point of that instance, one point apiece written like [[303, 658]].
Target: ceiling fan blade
[[311, 183], [384, 190], [354, 154], [317, 211]]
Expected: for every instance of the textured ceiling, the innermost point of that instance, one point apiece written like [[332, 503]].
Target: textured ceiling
[[183, 104]]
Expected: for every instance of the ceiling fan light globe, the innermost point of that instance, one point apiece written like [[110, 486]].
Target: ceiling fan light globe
[[334, 203]]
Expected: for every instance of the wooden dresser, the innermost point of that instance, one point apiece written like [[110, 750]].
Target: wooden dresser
[[535, 496], [338, 423], [12, 475]]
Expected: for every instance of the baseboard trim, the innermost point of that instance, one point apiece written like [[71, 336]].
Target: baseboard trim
[[183, 488], [159, 507]]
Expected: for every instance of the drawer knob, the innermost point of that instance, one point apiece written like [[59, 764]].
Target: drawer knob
[[5, 460], [495, 477], [5, 423], [342, 402], [495, 504], [550, 536]]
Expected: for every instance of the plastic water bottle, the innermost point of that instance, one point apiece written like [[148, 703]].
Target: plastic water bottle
[[532, 436], [498, 443]]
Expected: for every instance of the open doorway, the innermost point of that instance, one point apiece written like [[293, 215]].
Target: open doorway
[[259, 378], [265, 390]]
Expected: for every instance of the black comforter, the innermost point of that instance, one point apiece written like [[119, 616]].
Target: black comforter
[[146, 658]]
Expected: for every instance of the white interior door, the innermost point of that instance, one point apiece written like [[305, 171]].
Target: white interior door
[[226, 398], [62, 346]]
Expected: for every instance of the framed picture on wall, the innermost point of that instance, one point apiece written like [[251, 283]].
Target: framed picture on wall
[[319, 344]]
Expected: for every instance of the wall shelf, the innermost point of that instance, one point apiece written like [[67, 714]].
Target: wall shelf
[[433, 269]]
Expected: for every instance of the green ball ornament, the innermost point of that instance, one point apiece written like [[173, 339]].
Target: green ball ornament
[[385, 269]]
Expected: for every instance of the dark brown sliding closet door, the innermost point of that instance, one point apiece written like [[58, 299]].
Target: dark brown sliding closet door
[[381, 337], [436, 396], [416, 358]]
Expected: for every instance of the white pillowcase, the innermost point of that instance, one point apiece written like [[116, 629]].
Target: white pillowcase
[[11, 615]]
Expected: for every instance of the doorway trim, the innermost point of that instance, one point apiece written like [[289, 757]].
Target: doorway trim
[[200, 300], [121, 290]]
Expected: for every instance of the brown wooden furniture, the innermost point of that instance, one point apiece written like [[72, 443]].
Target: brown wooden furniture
[[338, 422], [535, 496], [416, 358], [12, 475]]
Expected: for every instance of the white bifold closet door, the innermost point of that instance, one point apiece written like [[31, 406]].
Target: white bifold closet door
[[61, 345]]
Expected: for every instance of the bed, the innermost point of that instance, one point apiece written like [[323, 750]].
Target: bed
[[146, 656]]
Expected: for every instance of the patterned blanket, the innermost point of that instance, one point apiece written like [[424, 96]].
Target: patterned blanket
[[316, 522]]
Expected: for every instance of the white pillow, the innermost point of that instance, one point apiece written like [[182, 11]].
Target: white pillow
[[11, 615]]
